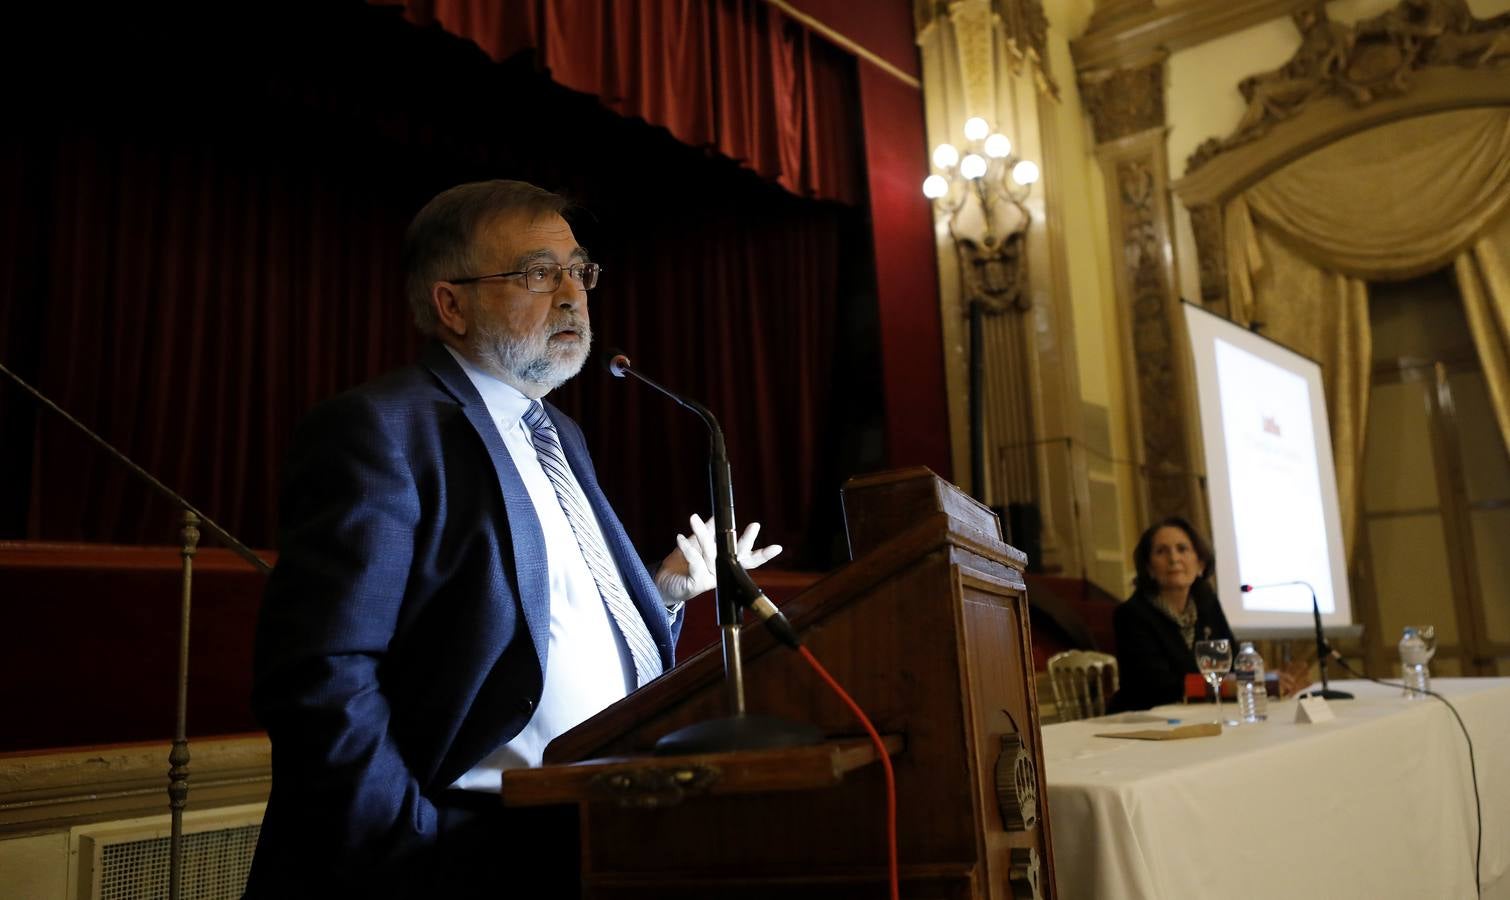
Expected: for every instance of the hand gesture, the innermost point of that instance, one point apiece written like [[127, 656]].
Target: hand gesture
[[689, 569], [1294, 676]]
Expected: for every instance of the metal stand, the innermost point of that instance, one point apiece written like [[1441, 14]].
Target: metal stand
[[738, 730], [735, 590], [178, 756], [1322, 652]]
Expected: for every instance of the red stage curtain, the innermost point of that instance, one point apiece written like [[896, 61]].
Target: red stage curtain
[[735, 76], [191, 301], [744, 311], [197, 262]]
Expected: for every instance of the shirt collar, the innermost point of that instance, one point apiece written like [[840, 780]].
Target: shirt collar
[[504, 402]]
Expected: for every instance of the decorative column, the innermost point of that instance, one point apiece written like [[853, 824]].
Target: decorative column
[[1126, 106], [987, 58]]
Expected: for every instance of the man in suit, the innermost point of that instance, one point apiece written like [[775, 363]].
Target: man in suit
[[453, 589]]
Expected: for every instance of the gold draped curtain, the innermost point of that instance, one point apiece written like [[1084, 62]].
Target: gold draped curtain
[[1390, 203]]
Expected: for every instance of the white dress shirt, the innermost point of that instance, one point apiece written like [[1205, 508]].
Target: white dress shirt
[[588, 666]]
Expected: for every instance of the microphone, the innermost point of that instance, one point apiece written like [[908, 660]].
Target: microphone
[[734, 583], [1323, 649]]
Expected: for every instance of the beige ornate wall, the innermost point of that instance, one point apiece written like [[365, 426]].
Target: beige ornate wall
[[990, 59], [1055, 427], [1126, 104], [1200, 113], [1091, 379]]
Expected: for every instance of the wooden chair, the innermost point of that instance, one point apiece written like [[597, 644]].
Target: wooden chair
[[1080, 683]]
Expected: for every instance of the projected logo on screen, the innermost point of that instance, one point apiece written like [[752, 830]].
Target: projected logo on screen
[[1273, 480]]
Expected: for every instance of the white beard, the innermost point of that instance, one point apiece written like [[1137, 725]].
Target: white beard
[[531, 363]]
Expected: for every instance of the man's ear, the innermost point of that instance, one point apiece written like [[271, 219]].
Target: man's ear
[[450, 309]]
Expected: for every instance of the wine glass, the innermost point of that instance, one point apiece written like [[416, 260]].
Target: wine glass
[[1214, 658]]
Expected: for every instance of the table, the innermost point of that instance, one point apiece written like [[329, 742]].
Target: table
[[1377, 803]]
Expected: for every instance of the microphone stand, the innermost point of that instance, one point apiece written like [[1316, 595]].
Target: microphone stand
[[734, 590], [1323, 650], [192, 521]]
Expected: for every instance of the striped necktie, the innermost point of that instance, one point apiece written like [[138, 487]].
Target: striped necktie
[[647, 660]]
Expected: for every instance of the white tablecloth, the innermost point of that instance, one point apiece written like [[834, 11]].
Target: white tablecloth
[[1375, 804]]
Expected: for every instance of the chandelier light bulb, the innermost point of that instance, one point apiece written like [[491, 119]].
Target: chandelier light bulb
[[1024, 173], [945, 156], [976, 128], [934, 186], [974, 166], [998, 146]]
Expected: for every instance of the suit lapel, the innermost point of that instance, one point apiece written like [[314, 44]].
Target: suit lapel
[[647, 598], [525, 536]]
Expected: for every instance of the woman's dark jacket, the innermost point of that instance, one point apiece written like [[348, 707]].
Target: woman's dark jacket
[[1152, 659]]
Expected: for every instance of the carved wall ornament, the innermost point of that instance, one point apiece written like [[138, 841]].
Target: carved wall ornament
[[1211, 251], [1027, 32], [1159, 389], [1023, 25], [995, 272], [1124, 101], [1363, 63]]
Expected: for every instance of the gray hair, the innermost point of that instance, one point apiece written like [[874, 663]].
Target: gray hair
[[439, 243]]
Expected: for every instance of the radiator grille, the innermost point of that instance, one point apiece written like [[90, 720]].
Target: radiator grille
[[215, 865]]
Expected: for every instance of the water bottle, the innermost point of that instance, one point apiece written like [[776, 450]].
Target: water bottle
[[1414, 655], [1252, 697]]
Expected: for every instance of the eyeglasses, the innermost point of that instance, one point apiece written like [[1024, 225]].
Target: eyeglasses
[[545, 278]]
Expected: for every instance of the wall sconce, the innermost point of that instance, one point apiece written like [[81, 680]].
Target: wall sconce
[[994, 266]]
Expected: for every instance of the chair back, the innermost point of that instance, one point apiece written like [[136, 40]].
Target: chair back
[[1084, 681]]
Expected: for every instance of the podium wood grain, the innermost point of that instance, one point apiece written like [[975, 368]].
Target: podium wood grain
[[927, 628]]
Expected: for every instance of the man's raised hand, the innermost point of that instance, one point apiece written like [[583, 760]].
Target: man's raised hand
[[689, 570]]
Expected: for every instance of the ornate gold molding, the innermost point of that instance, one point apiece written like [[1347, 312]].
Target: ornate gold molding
[[1422, 57], [1027, 32], [1127, 33], [971, 27], [1364, 63], [1124, 101], [1109, 15], [1024, 31], [1333, 118]]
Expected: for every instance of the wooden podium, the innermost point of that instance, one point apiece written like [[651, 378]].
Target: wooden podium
[[927, 629]]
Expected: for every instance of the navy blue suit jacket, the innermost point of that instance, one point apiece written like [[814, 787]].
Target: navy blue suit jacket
[[404, 632]]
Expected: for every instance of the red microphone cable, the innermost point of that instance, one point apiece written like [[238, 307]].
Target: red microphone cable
[[891, 781]]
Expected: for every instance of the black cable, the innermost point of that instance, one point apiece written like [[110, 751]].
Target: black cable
[[1478, 810]]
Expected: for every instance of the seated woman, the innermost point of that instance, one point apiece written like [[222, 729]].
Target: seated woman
[[1173, 605]]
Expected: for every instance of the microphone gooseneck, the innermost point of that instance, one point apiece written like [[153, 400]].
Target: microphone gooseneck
[[735, 586], [1323, 649]]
